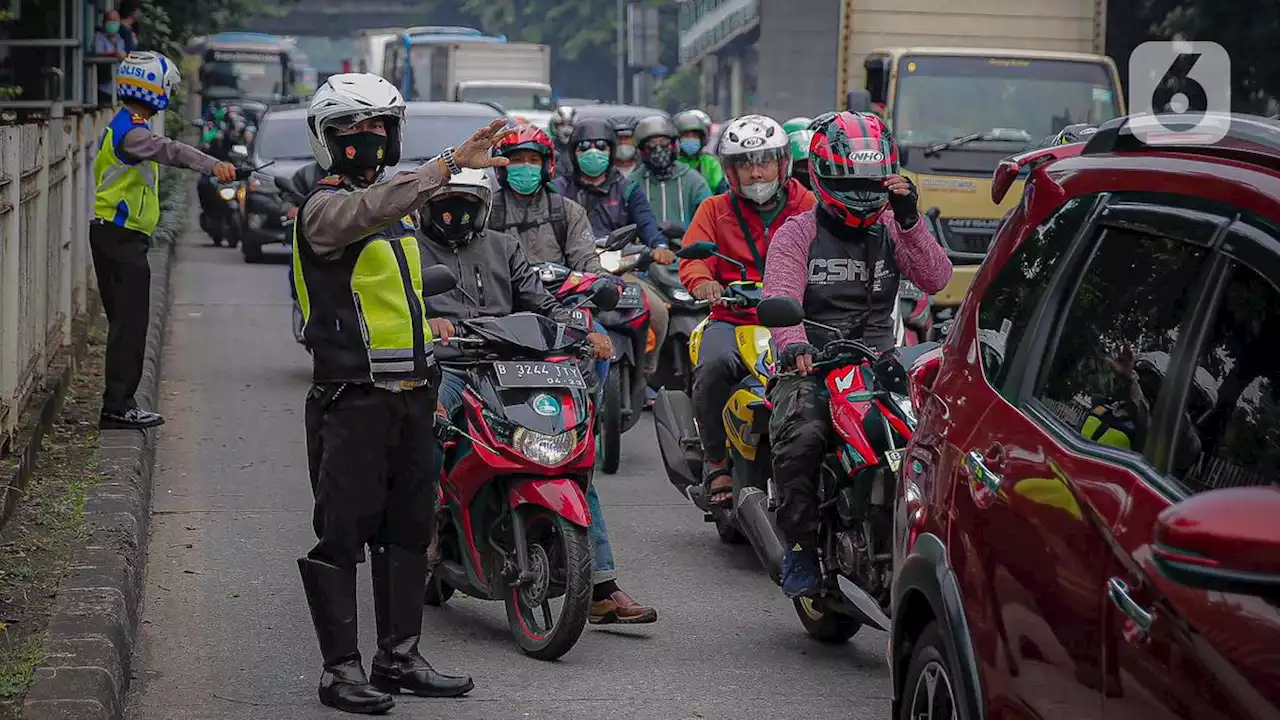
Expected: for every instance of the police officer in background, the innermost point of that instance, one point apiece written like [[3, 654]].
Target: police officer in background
[[370, 414], [126, 211]]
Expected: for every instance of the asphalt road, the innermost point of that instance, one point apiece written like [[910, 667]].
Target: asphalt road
[[226, 633]]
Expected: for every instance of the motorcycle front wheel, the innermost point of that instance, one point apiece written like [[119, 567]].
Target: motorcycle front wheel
[[611, 422], [560, 560], [824, 625]]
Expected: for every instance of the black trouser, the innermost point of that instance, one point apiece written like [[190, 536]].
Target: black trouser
[[798, 431], [371, 452], [124, 282], [720, 367]]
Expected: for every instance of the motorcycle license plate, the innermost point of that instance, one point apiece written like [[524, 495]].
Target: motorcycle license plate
[[632, 297], [907, 290], [580, 318], [894, 458], [522, 374]]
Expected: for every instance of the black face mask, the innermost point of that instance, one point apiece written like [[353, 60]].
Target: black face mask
[[660, 160], [451, 219], [360, 151]]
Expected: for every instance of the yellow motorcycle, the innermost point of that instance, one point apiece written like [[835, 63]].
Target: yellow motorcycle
[[746, 422]]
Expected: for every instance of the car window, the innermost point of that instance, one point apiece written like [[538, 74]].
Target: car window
[[1231, 426], [1107, 365], [1010, 301]]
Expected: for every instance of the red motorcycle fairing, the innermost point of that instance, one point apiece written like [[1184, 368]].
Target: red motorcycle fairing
[[491, 458], [853, 414], [561, 496]]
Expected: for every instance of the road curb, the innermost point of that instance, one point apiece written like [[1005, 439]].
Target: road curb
[[91, 636]]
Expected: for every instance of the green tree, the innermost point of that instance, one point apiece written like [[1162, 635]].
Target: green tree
[[1248, 30]]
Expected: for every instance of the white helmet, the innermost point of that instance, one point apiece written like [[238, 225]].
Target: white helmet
[[346, 99], [754, 138], [474, 185], [148, 78]]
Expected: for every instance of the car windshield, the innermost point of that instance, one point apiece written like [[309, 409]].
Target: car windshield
[[940, 98], [230, 78], [285, 138], [510, 98]]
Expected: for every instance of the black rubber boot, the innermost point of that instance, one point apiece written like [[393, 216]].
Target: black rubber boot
[[399, 577], [331, 594]]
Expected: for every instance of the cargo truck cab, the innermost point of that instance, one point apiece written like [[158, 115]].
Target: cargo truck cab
[[957, 112]]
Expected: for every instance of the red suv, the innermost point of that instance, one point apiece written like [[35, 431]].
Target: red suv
[[1089, 517]]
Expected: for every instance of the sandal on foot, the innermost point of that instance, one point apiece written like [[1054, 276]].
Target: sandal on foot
[[719, 495]]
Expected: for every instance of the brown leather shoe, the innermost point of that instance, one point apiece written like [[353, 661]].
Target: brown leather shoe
[[622, 609]]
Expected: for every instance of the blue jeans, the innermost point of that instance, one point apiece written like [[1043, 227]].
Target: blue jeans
[[451, 388]]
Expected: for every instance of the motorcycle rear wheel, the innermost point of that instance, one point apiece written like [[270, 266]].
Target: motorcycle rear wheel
[[823, 625], [567, 549], [611, 422]]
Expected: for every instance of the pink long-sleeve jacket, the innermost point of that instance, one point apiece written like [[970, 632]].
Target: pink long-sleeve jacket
[[916, 252]]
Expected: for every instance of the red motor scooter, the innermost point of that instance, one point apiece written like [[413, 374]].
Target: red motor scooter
[[513, 512]]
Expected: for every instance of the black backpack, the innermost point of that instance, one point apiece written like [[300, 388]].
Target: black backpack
[[556, 217]]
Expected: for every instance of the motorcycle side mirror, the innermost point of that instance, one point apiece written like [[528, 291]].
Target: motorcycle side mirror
[[197, 123], [239, 152], [604, 295], [700, 250], [621, 237], [437, 279], [779, 312], [672, 231]]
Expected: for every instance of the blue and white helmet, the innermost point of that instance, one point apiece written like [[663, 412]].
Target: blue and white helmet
[[148, 78]]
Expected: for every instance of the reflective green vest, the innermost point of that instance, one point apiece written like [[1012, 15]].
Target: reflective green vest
[[362, 310], [127, 192]]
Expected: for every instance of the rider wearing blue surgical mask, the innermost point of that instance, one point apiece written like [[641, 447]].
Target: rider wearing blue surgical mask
[[694, 127]]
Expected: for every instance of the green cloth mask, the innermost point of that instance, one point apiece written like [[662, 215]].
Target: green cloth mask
[[112, 27], [593, 162], [524, 178]]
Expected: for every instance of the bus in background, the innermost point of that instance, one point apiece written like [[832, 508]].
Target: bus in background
[[408, 61], [253, 66]]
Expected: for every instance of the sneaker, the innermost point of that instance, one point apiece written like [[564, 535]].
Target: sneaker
[[131, 419], [800, 574]]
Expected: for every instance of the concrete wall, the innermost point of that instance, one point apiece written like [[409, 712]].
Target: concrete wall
[[798, 43]]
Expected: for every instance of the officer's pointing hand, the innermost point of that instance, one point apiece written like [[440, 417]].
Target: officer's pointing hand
[[476, 152]]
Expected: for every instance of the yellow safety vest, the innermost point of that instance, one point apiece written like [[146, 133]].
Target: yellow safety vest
[[127, 192], [362, 311]]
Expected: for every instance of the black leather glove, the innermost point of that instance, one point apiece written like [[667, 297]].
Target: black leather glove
[[787, 361], [906, 208]]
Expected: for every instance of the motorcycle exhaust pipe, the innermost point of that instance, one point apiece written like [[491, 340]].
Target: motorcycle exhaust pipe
[[757, 522]]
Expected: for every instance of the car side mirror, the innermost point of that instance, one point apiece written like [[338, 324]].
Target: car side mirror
[[700, 250], [437, 279], [779, 312], [1223, 540], [604, 295], [621, 237]]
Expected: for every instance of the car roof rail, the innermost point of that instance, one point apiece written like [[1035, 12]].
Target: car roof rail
[[1247, 138]]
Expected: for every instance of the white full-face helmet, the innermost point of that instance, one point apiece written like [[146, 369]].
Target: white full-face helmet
[[458, 211], [349, 98], [754, 139], [148, 78]]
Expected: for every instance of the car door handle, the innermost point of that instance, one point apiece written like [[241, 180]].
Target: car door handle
[[988, 478], [1142, 619]]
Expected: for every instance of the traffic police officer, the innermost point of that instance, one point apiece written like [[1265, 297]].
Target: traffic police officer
[[370, 412]]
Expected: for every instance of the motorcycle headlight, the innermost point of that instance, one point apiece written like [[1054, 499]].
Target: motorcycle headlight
[[548, 450], [227, 193], [681, 295], [611, 260]]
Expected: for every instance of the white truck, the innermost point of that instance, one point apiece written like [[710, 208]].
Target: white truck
[[514, 75]]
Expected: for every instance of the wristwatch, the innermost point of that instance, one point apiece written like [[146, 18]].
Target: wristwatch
[[449, 162]]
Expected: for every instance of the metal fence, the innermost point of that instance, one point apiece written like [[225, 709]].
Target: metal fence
[[46, 276]]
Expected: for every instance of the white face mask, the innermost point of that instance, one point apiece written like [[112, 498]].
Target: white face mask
[[761, 192]]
